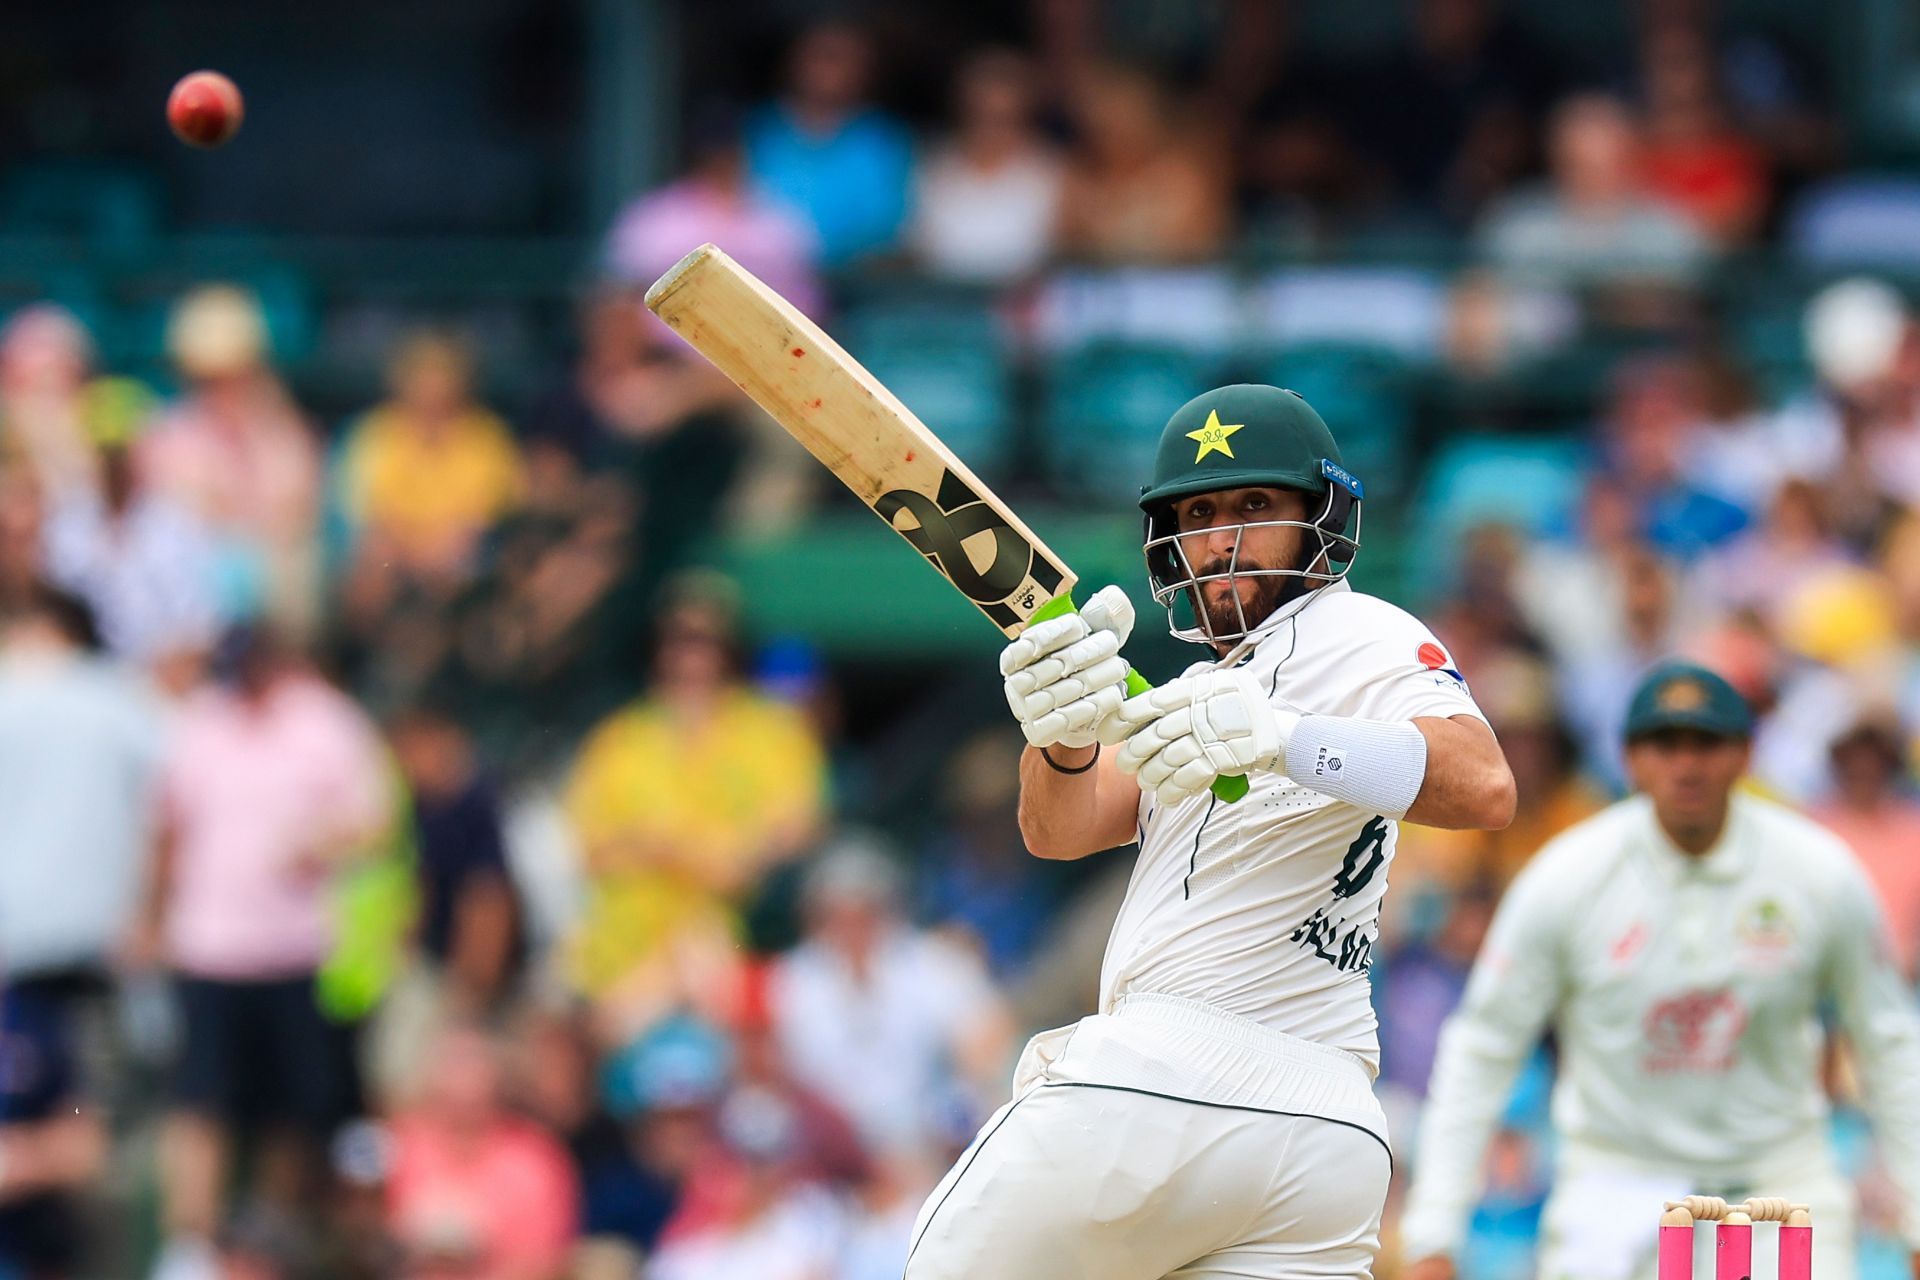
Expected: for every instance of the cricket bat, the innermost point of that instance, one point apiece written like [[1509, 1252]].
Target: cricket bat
[[827, 401]]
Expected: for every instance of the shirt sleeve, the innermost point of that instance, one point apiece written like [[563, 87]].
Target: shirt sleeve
[[1401, 671], [1515, 988], [1876, 1010]]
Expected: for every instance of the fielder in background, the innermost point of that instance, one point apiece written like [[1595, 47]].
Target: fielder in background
[[1216, 1117], [1681, 945]]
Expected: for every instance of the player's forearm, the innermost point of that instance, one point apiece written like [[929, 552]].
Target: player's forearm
[[1468, 785], [1435, 771], [1070, 815]]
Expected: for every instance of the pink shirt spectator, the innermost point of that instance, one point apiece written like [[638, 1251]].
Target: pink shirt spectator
[[657, 230], [247, 464], [256, 794], [1887, 842], [259, 476], [506, 1202]]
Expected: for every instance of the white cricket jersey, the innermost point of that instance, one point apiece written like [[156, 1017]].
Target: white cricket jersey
[[1685, 994], [1268, 908]]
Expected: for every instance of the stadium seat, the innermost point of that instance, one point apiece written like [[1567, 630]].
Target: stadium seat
[[1104, 407], [1198, 309], [948, 362], [99, 202], [1398, 309], [1532, 484], [1766, 327]]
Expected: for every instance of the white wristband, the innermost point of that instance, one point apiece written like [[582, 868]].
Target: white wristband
[[1373, 764]]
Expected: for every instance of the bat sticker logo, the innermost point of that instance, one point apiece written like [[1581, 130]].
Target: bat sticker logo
[[941, 524]]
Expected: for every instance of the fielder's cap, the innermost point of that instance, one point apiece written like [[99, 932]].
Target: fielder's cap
[[1684, 695]]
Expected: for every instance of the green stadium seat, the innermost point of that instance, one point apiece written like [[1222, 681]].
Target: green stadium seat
[[1532, 484], [1765, 326], [1104, 406], [948, 362], [97, 202]]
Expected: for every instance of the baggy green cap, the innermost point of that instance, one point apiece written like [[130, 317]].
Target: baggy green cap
[[1684, 695]]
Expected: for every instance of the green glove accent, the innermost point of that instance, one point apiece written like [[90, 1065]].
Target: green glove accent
[[1228, 789]]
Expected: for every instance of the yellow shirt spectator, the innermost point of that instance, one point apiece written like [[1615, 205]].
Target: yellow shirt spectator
[[677, 819], [430, 491]]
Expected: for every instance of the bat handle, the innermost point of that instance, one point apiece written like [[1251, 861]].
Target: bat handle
[[1228, 788]]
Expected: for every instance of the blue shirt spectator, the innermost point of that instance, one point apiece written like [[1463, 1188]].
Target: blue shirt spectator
[[850, 180], [827, 151], [1684, 521]]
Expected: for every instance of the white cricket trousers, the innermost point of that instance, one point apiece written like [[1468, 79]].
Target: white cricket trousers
[[1166, 1139]]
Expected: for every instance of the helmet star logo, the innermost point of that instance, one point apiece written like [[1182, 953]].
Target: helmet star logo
[[1212, 436]]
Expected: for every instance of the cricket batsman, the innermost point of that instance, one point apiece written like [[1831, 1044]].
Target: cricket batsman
[[1682, 946], [1216, 1117]]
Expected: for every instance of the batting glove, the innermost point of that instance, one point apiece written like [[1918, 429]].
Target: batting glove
[[1065, 675], [1178, 738]]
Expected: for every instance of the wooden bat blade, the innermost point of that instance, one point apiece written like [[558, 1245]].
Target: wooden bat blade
[[827, 401]]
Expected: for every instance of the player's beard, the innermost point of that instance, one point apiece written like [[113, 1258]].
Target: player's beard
[[1260, 593]]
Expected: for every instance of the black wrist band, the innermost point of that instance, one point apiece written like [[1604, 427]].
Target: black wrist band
[[1057, 767]]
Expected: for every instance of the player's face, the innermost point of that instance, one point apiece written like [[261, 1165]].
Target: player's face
[[1688, 775], [1211, 527]]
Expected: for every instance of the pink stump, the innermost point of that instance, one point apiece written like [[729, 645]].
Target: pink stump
[[1676, 1253], [1733, 1251], [1796, 1253]]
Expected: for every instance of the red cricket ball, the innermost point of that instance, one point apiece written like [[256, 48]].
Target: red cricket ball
[[205, 109]]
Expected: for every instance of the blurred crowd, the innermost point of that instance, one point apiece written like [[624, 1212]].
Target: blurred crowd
[[412, 864], [1164, 144]]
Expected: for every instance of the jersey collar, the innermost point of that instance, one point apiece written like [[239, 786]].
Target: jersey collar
[[1730, 858]]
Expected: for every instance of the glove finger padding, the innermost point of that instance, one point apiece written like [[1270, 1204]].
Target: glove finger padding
[[1072, 724], [1178, 738], [1077, 656], [1188, 780], [1152, 739], [1145, 708], [1042, 638], [1161, 765], [1063, 676], [1111, 674]]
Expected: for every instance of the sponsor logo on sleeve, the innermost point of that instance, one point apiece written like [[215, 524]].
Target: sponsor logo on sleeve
[[1435, 659]]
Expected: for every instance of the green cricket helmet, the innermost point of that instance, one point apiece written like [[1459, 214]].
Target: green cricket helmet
[[1244, 436]]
